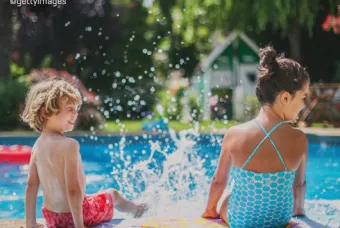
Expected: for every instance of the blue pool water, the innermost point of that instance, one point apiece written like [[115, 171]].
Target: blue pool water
[[172, 172]]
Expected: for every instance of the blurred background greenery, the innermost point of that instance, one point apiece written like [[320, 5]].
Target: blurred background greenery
[[128, 53]]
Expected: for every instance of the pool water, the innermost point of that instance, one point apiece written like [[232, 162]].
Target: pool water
[[171, 172]]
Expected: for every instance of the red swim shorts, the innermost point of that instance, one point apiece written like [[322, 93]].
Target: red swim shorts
[[97, 208]]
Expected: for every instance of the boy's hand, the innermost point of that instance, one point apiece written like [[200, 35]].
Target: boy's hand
[[212, 214]]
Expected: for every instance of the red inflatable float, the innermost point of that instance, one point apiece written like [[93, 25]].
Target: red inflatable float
[[15, 154]]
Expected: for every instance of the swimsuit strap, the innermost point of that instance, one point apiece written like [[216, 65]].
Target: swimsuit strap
[[267, 136]]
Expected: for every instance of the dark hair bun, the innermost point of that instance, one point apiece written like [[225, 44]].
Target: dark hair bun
[[278, 73], [268, 61]]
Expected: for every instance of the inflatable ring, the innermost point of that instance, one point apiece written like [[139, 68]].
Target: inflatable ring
[[15, 154]]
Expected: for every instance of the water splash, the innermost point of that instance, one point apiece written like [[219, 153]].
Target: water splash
[[173, 187]]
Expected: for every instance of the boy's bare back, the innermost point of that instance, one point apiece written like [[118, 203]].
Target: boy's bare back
[[54, 156]]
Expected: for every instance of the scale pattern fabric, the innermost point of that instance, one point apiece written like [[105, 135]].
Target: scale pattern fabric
[[261, 199]]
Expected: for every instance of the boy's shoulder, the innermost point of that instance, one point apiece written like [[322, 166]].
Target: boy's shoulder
[[67, 144], [70, 143], [70, 148]]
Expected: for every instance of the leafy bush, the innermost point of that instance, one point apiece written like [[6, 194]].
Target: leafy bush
[[252, 106], [195, 105], [89, 117], [12, 99], [167, 105]]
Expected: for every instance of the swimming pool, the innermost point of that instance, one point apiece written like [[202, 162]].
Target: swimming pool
[[172, 172]]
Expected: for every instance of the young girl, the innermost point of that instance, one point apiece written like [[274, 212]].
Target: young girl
[[52, 109], [266, 156]]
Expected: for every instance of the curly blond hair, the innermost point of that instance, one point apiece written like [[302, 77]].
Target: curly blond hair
[[47, 94]]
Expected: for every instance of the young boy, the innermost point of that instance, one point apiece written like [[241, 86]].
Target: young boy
[[51, 109]]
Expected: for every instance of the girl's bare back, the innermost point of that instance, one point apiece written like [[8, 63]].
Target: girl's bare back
[[289, 141]]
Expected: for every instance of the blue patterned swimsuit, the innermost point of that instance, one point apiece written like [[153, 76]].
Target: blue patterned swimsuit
[[261, 199]]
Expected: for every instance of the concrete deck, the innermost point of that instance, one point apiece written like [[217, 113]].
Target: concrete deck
[[166, 222]]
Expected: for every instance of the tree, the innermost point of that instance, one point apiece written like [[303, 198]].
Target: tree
[[104, 44], [289, 17], [6, 28]]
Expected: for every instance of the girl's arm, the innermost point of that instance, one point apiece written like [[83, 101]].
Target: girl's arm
[[299, 189], [220, 178], [299, 186]]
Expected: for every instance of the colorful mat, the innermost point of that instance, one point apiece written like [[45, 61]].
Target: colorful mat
[[189, 223]]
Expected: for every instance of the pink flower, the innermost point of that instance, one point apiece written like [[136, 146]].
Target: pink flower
[[328, 23]]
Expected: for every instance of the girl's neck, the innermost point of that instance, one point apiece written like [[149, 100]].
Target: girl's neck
[[271, 114]]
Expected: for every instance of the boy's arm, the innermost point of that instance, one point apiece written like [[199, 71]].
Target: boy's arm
[[31, 194], [74, 190], [299, 186], [220, 178]]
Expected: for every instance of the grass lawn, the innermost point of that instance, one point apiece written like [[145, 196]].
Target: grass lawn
[[136, 126], [204, 126]]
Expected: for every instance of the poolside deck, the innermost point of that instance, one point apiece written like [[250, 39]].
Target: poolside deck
[[164, 222], [144, 222]]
